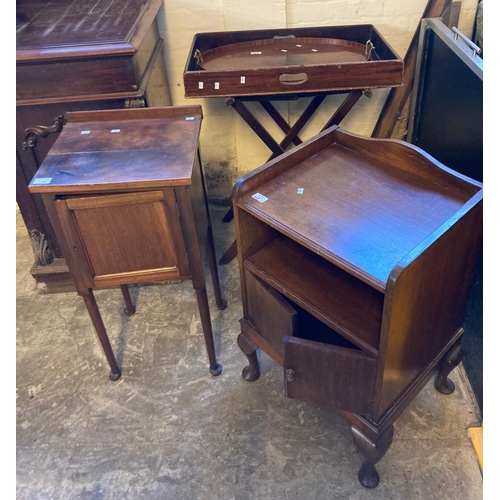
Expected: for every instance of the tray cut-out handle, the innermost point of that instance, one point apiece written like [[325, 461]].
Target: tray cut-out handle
[[293, 79]]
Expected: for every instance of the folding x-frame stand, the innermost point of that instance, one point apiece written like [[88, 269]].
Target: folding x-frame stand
[[291, 132]]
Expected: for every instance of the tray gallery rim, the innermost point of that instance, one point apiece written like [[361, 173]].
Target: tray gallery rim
[[297, 46]]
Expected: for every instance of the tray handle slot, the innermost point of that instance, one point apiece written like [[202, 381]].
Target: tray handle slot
[[293, 79], [283, 36]]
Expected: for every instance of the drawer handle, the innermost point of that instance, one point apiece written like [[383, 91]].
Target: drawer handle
[[293, 79], [275, 37], [290, 375]]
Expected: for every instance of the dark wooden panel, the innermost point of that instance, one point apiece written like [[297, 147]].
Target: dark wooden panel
[[136, 229], [329, 376], [268, 312], [347, 76], [427, 298], [254, 336], [74, 78]]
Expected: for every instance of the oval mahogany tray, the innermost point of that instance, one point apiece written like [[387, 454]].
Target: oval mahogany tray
[[286, 51]]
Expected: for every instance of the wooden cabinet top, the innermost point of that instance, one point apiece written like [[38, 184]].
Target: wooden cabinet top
[[363, 204], [122, 149], [86, 28]]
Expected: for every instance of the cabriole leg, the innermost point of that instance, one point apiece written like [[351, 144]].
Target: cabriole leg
[[252, 371], [450, 361], [372, 452]]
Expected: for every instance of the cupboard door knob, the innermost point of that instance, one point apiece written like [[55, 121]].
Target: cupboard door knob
[[290, 375]]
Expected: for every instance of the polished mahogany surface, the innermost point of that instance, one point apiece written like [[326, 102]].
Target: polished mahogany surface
[[85, 25], [111, 149], [229, 64], [367, 219], [283, 52]]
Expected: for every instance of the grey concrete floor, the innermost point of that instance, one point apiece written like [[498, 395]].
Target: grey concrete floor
[[169, 430]]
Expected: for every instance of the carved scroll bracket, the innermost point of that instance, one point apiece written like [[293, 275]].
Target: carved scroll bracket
[[41, 248], [33, 133]]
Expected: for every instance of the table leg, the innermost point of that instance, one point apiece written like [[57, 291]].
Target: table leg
[[214, 272], [344, 108], [96, 318], [279, 120], [206, 324], [292, 134], [229, 216], [256, 126], [129, 306], [230, 254]]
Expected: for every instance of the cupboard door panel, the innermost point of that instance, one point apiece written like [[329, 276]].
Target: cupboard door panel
[[138, 229], [270, 314], [328, 375]]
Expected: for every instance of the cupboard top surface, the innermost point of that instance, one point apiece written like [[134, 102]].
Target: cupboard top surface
[[76, 26], [355, 211], [115, 150]]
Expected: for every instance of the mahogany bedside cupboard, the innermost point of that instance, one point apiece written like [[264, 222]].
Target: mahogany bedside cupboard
[[356, 259], [126, 194]]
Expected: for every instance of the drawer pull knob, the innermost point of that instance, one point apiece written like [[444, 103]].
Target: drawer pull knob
[[290, 375]]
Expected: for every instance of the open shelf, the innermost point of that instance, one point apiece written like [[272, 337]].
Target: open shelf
[[311, 328], [333, 296]]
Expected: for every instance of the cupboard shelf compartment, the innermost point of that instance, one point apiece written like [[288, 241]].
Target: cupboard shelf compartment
[[336, 298]]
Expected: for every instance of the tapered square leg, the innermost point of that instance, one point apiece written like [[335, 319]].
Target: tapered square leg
[[95, 315]]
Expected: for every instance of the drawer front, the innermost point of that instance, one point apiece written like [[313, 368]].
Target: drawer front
[[75, 79], [328, 375], [268, 312]]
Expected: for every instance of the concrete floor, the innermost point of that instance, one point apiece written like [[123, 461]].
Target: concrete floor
[[169, 430]]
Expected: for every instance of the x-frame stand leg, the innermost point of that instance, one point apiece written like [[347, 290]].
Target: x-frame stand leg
[[291, 132]]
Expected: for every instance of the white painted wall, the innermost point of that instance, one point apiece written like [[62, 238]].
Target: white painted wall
[[229, 147]]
